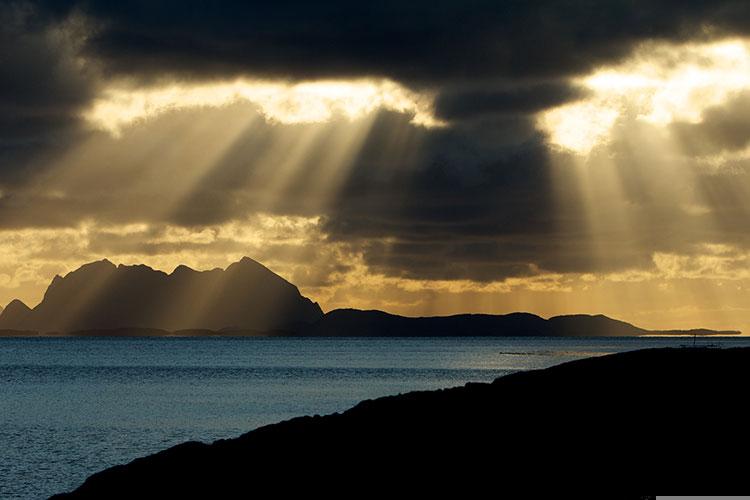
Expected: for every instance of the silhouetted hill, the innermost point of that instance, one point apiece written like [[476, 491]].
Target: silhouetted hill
[[592, 326], [247, 299], [15, 315], [102, 296], [607, 427], [353, 322]]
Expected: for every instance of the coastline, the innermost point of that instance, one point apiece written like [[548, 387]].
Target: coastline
[[622, 423]]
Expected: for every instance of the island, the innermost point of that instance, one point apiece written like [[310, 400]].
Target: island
[[248, 299]]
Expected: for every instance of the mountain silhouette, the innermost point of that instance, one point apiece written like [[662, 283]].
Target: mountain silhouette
[[101, 299], [101, 296], [15, 314], [354, 322], [605, 427]]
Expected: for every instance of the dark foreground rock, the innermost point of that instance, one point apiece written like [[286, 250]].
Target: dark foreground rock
[[665, 420]]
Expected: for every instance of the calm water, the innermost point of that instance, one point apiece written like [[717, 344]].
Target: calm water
[[70, 407]]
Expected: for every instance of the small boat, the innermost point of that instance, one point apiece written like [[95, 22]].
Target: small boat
[[695, 345]]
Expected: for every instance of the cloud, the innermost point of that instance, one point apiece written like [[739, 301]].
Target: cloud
[[420, 41], [659, 83], [463, 103], [574, 139], [479, 200], [279, 102], [721, 129], [43, 85], [445, 203]]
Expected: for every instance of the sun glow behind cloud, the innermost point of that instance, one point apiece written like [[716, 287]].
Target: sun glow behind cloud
[[659, 84], [281, 102], [299, 142]]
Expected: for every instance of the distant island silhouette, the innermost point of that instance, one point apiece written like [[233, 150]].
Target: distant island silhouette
[[248, 299], [606, 427], [101, 296]]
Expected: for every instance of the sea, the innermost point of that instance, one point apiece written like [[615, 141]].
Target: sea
[[70, 407]]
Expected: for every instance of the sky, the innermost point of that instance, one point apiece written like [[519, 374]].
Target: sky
[[422, 157]]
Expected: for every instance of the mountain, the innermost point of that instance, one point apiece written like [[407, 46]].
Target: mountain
[[345, 322], [101, 296], [605, 427], [248, 299], [353, 322], [15, 314]]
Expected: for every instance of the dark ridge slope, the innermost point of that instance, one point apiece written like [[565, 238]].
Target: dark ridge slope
[[591, 326], [354, 322], [101, 296], [247, 298], [662, 419], [15, 315]]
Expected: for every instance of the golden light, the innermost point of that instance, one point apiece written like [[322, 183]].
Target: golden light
[[579, 127], [165, 142], [660, 84], [308, 102]]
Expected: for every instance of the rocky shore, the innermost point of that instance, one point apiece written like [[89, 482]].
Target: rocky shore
[[667, 420]]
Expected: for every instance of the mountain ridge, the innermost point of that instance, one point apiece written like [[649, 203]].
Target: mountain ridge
[[375, 323], [248, 299], [99, 295]]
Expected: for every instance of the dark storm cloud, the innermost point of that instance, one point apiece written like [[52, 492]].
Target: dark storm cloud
[[450, 203], [430, 203], [465, 208], [460, 205], [42, 86], [473, 200], [463, 103], [441, 45], [491, 212], [418, 41]]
